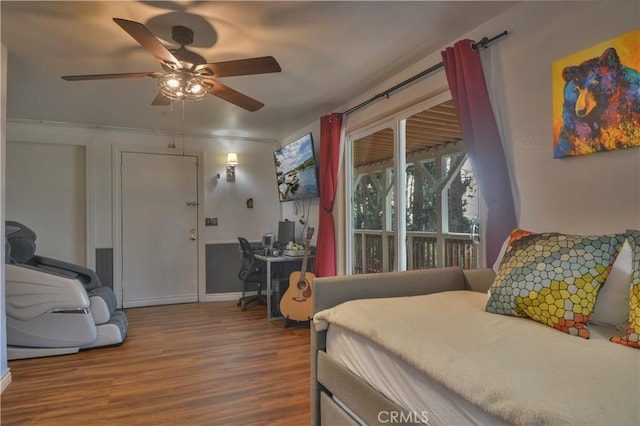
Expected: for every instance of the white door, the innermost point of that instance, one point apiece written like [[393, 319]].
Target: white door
[[159, 229]]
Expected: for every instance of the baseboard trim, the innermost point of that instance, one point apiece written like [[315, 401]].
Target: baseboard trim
[[211, 297], [160, 301], [5, 381], [225, 297]]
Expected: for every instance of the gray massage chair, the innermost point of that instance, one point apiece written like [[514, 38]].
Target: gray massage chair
[[54, 307]]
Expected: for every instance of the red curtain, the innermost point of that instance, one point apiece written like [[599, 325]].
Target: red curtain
[[330, 133], [482, 140]]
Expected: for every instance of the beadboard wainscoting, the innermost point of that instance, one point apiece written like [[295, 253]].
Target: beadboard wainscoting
[[104, 266], [222, 263]]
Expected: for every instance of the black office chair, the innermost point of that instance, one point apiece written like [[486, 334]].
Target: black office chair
[[251, 272]]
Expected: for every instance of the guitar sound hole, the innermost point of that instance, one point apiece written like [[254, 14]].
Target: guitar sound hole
[[301, 285]]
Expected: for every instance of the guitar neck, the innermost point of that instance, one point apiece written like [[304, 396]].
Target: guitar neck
[[307, 241], [303, 269]]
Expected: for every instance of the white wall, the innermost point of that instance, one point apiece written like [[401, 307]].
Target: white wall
[[255, 179], [53, 204], [255, 176], [588, 194]]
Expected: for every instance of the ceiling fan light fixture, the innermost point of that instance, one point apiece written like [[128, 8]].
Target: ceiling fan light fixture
[[188, 75], [183, 87], [173, 82]]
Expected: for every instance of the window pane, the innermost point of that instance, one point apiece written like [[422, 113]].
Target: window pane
[[368, 202], [462, 197], [440, 197], [421, 202], [440, 205], [462, 213], [372, 202]]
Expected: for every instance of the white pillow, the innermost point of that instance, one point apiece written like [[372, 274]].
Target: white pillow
[[496, 264], [612, 303]]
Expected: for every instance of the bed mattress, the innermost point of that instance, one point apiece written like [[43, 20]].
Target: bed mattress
[[427, 401], [460, 347]]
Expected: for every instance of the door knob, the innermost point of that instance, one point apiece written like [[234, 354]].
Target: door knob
[[193, 234]]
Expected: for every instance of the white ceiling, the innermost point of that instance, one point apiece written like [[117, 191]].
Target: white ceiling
[[330, 52]]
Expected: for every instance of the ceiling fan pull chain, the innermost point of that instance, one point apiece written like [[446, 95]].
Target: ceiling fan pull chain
[[183, 127]]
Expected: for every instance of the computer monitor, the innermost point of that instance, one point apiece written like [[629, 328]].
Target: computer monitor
[[286, 232]]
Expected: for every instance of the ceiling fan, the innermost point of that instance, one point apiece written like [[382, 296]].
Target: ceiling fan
[[187, 75]]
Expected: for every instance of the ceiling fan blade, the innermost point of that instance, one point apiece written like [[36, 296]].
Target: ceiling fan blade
[[148, 41], [112, 76], [233, 96], [262, 65], [160, 100]]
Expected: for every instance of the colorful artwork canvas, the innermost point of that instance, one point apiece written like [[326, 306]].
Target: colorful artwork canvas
[[596, 98]]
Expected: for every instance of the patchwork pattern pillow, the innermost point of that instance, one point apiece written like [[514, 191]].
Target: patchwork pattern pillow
[[632, 337], [553, 278]]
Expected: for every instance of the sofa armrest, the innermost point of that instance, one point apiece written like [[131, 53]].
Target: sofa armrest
[[331, 291], [479, 279]]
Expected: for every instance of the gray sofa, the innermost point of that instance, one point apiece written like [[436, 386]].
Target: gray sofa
[[466, 364], [330, 379]]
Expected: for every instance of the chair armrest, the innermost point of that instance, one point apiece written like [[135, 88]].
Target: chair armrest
[[30, 291], [86, 276]]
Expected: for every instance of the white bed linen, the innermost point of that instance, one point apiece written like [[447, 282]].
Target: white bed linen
[[411, 389], [402, 383]]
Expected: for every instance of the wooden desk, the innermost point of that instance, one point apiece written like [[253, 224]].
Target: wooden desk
[[269, 260]]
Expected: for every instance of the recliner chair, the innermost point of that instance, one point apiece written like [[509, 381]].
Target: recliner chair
[[54, 307]]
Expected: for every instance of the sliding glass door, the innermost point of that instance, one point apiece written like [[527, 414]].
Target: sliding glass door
[[372, 189], [434, 221]]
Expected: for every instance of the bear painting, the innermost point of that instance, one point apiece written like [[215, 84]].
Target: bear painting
[[600, 100]]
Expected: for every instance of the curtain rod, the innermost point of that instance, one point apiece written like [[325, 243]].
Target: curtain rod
[[475, 46]]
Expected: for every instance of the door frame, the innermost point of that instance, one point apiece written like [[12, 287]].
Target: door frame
[[116, 178]]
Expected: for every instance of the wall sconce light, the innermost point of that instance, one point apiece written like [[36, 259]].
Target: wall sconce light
[[232, 162]]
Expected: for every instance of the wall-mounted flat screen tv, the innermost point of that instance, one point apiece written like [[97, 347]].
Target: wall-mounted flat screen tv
[[296, 170]]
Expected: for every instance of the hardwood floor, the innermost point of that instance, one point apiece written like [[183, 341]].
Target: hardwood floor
[[189, 364]]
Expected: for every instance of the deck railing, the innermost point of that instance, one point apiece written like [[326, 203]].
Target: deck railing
[[373, 251]]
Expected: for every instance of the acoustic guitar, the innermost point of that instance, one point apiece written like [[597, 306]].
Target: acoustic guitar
[[297, 302]]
